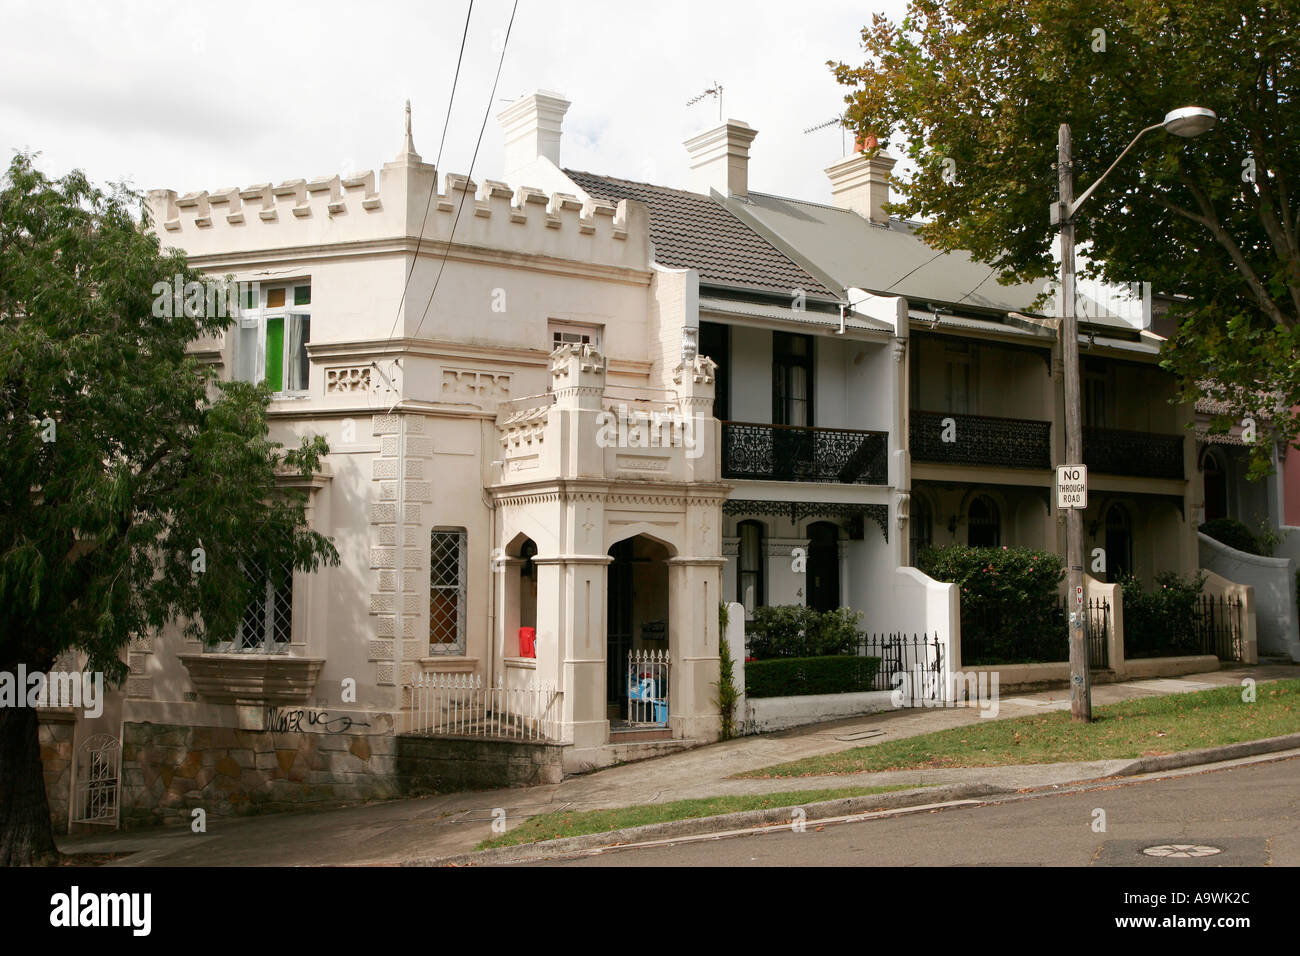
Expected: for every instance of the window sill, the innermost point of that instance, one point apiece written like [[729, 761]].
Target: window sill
[[253, 678], [521, 663], [449, 664]]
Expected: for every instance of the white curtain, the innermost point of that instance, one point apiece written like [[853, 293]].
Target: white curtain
[[299, 334]]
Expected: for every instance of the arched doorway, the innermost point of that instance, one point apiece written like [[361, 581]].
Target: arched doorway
[[637, 628], [1214, 473], [920, 531], [1119, 543], [983, 523], [823, 566], [751, 559], [520, 580]]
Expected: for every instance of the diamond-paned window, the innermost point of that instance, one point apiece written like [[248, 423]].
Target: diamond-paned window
[[447, 576], [267, 624]]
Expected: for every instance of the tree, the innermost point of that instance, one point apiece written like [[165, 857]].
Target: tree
[[1214, 221], [135, 489]]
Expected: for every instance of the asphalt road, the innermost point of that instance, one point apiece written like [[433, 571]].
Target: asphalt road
[[1251, 814]]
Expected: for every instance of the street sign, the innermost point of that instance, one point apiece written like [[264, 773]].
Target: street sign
[[1072, 486]]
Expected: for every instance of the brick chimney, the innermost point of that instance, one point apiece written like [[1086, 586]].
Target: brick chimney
[[862, 184], [532, 130], [720, 158]]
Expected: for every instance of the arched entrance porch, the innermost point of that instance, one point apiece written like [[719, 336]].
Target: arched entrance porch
[[637, 635]]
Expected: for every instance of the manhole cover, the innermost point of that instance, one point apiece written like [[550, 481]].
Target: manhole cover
[[1181, 850]]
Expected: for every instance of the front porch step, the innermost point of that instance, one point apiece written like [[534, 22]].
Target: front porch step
[[634, 736], [619, 752]]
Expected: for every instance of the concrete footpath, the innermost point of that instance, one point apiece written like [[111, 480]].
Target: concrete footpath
[[429, 828]]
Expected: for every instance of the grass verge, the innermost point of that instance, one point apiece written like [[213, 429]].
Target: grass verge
[[1147, 727], [553, 826]]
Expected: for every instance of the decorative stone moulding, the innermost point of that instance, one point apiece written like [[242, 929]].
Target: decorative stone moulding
[[354, 378], [253, 678], [481, 384], [703, 370]]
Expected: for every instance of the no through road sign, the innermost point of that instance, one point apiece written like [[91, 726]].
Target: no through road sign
[[1072, 486]]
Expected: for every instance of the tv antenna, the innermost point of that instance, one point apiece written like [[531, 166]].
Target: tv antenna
[[716, 90], [837, 121]]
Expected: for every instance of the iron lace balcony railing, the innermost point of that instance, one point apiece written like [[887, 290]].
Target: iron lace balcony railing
[[1110, 451], [799, 453], [980, 440]]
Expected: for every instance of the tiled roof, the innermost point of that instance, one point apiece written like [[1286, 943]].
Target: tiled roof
[[692, 231]]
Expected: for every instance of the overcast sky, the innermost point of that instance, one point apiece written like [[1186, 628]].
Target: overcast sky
[[198, 95]]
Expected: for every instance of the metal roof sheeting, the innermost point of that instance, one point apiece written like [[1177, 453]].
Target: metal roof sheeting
[[780, 313]]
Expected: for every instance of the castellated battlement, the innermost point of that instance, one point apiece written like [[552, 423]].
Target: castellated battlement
[[388, 204]]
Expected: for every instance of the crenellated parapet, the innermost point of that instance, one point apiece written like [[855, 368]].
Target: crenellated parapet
[[388, 205]]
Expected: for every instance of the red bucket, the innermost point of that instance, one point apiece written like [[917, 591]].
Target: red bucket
[[528, 642]]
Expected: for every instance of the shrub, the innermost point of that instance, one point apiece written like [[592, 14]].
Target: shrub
[[794, 630], [1009, 601], [1161, 622], [1233, 533], [800, 676], [728, 693]]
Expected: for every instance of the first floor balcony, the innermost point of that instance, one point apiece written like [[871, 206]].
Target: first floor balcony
[[803, 453], [945, 438], [1110, 451]]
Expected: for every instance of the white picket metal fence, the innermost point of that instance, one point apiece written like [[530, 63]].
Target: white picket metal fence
[[459, 705], [647, 687]]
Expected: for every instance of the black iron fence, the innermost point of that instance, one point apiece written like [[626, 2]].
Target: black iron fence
[[987, 638], [1211, 625], [980, 440], [916, 659], [795, 453]]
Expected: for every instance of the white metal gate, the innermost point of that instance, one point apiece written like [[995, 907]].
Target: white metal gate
[[647, 687], [95, 788]]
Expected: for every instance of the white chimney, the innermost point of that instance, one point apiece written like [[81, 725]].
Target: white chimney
[[532, 131], [862, 184], [720, 158]]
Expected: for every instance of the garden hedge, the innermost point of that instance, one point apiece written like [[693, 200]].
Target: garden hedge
[[800, 676]]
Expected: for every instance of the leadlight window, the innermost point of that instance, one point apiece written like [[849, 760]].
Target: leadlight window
[[447, 590], [266, 625]]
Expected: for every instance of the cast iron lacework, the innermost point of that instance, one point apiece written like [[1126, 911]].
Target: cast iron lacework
[[981, 440], [268, 616], [446, 589], [1138, 454], [797, 453], [797, 510]]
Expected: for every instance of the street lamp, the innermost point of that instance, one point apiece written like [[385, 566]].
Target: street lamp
[[1188, 121]]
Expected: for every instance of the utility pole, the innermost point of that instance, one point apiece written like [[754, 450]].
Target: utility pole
[[1080, 680], [1188, 121]]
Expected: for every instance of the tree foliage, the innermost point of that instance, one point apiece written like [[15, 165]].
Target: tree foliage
[[124, 464], [1214, 221]]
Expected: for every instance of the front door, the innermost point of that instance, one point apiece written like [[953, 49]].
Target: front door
[[824, 566], [619, 628]]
